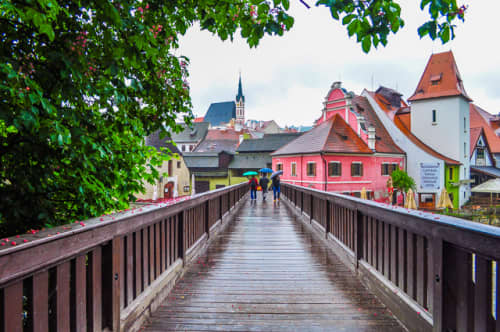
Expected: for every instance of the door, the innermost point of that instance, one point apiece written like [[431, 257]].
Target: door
[[168, 191], [201, 186]]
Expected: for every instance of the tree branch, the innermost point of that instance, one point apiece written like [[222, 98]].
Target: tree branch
[[305, 4]]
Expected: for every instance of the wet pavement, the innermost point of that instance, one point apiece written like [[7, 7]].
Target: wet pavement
[[266, 273]]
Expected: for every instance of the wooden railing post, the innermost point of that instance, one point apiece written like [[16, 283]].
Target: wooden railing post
[[117, 251], [207, 218], [220, 209], [327, 218], [358, 237], [181, 239], [437, 297]]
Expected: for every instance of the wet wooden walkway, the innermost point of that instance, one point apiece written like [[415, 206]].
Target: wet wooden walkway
[[266, 273]]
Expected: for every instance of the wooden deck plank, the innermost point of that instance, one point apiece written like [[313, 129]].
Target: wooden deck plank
[[265, 272]]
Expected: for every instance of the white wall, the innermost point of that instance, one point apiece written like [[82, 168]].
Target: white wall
[[414, 154], [448, 134]]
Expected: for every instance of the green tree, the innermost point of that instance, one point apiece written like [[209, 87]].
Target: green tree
[[82, 82], [402, 181]]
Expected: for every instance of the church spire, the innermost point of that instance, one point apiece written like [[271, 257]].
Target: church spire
[[240, 91]]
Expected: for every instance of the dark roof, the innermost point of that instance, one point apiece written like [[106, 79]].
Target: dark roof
[[250, 161], [191, 135], [217, 146], [240, 92], [219, 113], [269, 143], [157, 142], [489, 170], [199, 160]]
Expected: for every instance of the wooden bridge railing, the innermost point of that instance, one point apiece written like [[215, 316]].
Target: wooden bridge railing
[[434, 272], [105, 273]]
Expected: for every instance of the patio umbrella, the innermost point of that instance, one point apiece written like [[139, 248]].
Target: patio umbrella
[[276, 173], [410, 200], [363, 193], [249, 173], [444, 200], [265, 170]]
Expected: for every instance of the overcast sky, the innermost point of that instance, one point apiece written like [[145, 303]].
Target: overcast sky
[[286, 78]]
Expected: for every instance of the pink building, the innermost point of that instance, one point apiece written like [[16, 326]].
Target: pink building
[[348, 150]]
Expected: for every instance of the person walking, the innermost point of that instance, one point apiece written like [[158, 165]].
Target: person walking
[[253, 188], [263, 183], [276, 187]]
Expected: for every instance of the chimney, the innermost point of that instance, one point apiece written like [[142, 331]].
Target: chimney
[[371, 137]]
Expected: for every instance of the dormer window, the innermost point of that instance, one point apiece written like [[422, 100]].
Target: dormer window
[[435, 79]]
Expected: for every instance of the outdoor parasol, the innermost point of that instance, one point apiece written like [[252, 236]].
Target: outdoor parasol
[[280, 172]]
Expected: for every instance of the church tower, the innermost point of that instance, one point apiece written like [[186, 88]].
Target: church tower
[[240, 105]]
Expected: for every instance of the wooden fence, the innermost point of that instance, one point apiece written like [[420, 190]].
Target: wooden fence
[[434, 272], [105, 275]]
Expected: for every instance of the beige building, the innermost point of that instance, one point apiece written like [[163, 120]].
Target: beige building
[[174, 178]]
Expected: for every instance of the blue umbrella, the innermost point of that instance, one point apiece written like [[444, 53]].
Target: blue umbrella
[[265, 170], [276, 173]]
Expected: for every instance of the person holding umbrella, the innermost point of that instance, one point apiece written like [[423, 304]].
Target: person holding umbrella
[[264, 181], [275, 184]]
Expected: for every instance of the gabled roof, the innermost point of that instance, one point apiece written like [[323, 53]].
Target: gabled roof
[[228, 146], [194, 160], [269, 143], [333, 135], [475, 133], [224, 134], [383, 142], [191, 135], [478, 118], [198, 119], [219, 113], [250, 161], [441, 78], [157, 142]]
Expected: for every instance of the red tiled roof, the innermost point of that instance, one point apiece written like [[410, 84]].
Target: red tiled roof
[[200, 119], [333, 135], [479, 118], [441, 69], [475, 133], [223, 134], [384, 142]]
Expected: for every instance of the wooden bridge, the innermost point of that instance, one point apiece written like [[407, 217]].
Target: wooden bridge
[[315, 261]]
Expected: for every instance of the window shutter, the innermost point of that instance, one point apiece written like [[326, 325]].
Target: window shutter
[[340, 169], [360, 169], [352, 169]]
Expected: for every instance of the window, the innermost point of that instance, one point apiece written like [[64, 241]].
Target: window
[[183, 148], [294, 169], [480, 153], [465, 149], [334, 168], [191, 147], [311, 169], [357, 169], [387, 168], [178, 164], [450, 173], [170, 168], [434, 118], [279, 167], [465, 125]]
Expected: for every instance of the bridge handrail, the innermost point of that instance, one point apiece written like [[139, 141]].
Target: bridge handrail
[[434, 271], [90, 273]]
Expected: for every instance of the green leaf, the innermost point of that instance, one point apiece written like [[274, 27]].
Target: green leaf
[[286, 4], [348, 18], [47, 29], [366, 44]]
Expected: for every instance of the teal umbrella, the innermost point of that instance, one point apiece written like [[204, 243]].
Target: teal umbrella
[[250, 173]]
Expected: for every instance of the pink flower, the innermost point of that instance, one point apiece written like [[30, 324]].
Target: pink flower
[[13, 243], [82, 224], [25, 240]]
